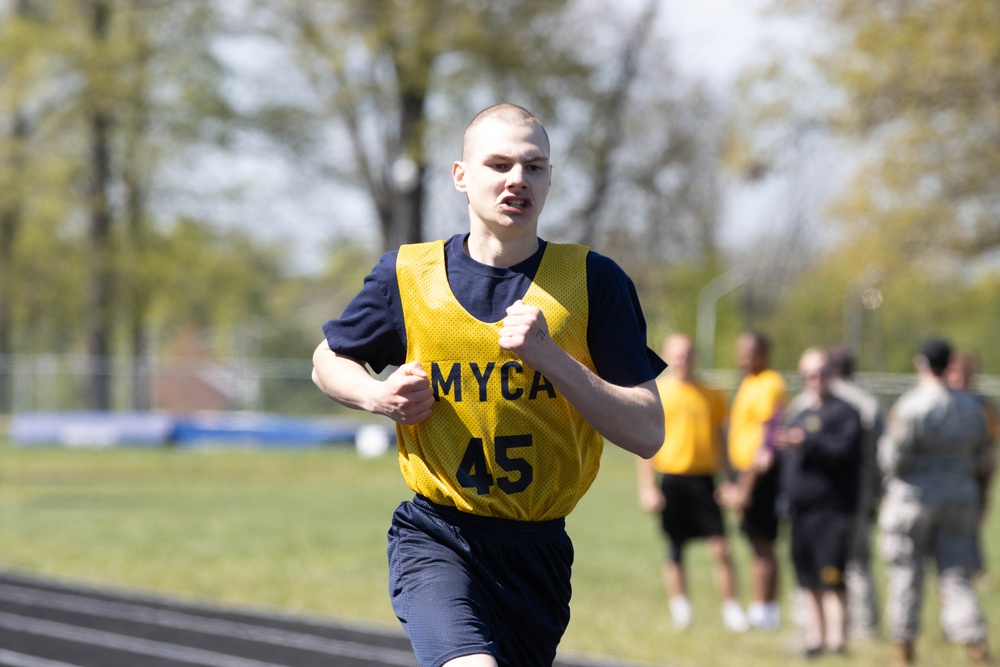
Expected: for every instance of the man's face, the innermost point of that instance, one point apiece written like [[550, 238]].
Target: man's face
[[815, 372], [678, 352], [506, 175], [748, 356], [960, 372]]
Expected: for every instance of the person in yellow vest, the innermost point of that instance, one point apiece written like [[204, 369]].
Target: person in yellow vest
[[691, 456], [514, 359], [754, 417]]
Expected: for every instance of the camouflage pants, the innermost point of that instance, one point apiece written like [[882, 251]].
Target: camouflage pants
[[862, 602], [913, 530]]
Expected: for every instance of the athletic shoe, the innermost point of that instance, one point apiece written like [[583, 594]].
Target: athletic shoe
[[813, 653], [772, 616], [764, 616], [797, 611], [680, 612], [733, 617]]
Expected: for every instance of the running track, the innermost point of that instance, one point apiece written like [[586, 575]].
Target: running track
[[46, 623]]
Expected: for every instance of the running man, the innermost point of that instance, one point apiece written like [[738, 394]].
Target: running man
[[515, 359]]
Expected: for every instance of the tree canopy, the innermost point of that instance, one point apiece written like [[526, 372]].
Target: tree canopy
[[907, 95]]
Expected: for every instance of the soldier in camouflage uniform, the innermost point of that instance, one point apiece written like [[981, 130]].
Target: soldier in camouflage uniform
[[961, 375], [934, 443]]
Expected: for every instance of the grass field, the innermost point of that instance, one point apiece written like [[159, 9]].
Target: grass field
[[305, 530]]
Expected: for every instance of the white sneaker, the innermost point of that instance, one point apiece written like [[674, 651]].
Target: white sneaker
[[733, 617], [680, 612], [764, 615], [772, 616]]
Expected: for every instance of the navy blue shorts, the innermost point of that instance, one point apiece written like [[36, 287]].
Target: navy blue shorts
[[760, 520], [691, 510], [819, 548], [462, 584]]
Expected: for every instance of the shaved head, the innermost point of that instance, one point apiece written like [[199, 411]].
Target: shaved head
[[510, 114]]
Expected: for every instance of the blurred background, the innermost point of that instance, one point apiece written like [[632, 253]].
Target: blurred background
[[188, 190]]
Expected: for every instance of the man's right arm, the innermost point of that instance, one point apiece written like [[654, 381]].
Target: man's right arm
[[896, 443], [405, 396]]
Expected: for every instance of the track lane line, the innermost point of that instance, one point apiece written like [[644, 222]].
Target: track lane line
[[72, 633], [14, 659], [194, 623]]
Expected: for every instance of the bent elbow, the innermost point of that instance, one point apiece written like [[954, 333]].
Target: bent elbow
[[647, 443], [654, 432], [652, 444]]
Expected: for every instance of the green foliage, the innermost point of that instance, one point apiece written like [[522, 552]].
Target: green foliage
[[211, 278], [140, 85], [669, 295], [926, 77], [910, 93]]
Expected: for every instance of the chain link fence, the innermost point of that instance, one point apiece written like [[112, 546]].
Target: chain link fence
[[50, 382]]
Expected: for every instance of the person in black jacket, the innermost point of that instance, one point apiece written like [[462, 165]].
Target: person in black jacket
[[821, 451]]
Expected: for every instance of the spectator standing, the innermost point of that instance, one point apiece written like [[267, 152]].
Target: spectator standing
[[934, 446], [961, 376], [756, 409], [820, 462], [686, 465]]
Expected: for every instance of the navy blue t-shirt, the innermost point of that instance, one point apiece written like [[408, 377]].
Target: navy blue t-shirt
[[372, 330], [824, 471]]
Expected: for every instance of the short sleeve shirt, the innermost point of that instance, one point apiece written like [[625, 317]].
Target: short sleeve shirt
[[371, 328]]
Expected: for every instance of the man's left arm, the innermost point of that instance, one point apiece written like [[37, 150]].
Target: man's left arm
[[630, 417]]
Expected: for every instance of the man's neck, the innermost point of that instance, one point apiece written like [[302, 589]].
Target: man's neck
[[928, 378], [819, 398], [492, 250]]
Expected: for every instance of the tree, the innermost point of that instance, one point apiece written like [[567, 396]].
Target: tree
[[921, 81], [142, 68], [906, 94], [380, 69], [99, 122], [32, 180], [636, 148], [15, 74], [645, 145], [169, 96], [101, 99]]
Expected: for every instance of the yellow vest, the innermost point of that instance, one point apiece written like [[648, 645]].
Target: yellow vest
[[693, 416], [757, 399], [500, 441]]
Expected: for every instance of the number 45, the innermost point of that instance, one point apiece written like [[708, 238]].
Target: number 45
[[473, 471]]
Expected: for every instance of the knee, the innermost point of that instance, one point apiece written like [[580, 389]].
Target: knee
[[763, 549], [718, 548]]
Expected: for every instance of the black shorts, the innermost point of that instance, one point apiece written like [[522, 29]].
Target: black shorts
[[819, 548], [761, 517], [463, 584], [691, 510]]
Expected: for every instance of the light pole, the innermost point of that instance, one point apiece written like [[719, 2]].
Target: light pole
[[709, 296], [855, 302]]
